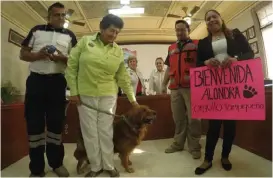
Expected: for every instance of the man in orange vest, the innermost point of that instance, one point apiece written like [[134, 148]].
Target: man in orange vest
[[181, 57]]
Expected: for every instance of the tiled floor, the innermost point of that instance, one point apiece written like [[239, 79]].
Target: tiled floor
[[149, 160]]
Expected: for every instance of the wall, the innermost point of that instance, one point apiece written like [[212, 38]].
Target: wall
[[12, 68]]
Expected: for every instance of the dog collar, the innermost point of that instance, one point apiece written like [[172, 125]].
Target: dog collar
[[129, 124]]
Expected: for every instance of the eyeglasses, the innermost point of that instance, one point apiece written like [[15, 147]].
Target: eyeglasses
[[59, 15], [180, 30]]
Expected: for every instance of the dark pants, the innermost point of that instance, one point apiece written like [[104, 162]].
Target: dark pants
[[45, 106], [213, 135]]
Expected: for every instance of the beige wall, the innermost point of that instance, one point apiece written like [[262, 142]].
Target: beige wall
[[12, 68]]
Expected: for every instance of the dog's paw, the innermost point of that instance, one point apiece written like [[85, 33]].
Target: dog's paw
[[82, 166], [129, 163], [130, 170], [249, 92]]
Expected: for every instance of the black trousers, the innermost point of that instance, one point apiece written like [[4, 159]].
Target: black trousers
[[213, 135], [45, 107]]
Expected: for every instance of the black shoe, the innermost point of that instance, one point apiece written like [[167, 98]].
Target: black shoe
[[37, 175], [201, 170], [113, 173], [226, 164], [93, 173]]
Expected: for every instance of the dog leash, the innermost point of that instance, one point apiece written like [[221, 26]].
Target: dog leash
[[105, 112], [91, 107]]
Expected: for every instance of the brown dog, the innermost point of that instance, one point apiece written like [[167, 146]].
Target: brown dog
[[128, 133]]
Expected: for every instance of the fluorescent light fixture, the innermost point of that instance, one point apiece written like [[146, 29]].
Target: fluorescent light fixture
[[188, 20], [125, 2], [126, 10], [66, 24]]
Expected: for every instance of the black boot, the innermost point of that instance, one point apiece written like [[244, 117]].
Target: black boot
[[203, 168], [226, 164]]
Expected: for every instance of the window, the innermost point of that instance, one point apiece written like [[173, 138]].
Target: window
[[265, 17], [267, 34]]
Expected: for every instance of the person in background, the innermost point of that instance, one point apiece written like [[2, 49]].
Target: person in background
[[94, 71], [156, 77], [221, 47], [181, 57], [45, 97], [137, 79]]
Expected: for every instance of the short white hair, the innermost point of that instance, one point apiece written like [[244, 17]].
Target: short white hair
[[131, 57]]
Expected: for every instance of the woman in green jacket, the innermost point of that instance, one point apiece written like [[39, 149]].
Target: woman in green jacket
[[95, 70]]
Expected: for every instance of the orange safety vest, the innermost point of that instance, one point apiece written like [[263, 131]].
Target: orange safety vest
[[180, 63]]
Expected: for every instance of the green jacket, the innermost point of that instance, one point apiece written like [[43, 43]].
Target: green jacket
[[95, 69]]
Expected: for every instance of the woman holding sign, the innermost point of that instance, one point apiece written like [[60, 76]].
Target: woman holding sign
[[220, 48]]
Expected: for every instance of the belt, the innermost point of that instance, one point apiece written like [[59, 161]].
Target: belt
[[46, 75]]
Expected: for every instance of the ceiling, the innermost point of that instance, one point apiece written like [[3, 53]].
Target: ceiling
[[153, 26]]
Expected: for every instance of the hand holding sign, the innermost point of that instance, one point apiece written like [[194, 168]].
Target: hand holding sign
[[212, 62], [228, 61], [234, 93]]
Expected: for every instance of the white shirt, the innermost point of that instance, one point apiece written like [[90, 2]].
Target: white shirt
[[220, 49], [135, 76], [155, 82], [42, 35]]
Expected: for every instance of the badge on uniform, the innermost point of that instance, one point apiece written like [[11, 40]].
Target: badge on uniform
[[174, 51], [91, 44], [190, 46]]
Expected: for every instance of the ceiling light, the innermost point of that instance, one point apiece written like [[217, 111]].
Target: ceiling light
[[188, 20], [125, 2], [66, 24], [126, 10]]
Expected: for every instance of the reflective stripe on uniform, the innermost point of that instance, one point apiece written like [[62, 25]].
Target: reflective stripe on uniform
[[54, 141], [53, 135], [35, 144], [36, 137], [54, 138]]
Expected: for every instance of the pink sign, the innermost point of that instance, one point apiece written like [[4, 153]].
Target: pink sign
[[235, 93]]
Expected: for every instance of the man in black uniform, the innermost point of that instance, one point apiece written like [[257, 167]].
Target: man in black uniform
[[46, 49]]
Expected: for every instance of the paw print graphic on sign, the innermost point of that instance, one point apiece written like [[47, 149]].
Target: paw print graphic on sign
[[249, 92]]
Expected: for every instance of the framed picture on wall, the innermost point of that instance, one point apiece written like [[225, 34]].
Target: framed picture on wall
[[251, 33], [127, 53], [245, 34], [15, 38], [254, 47]]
